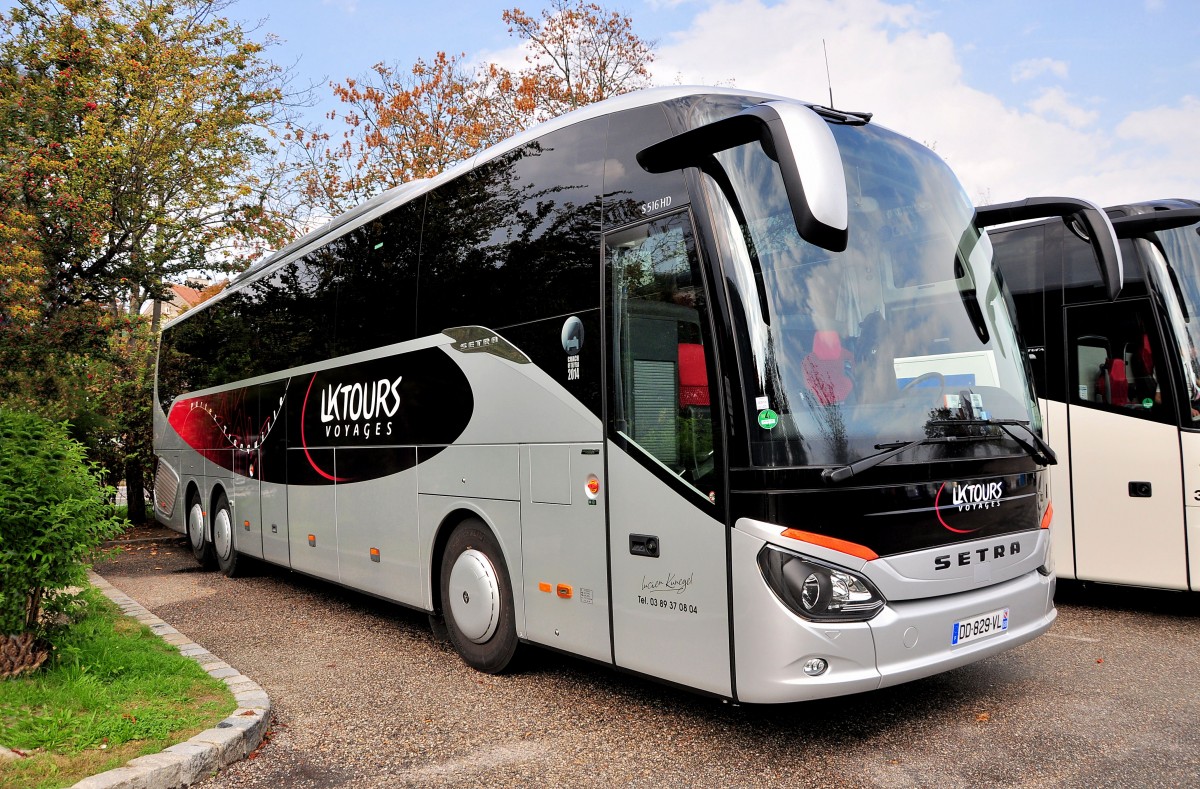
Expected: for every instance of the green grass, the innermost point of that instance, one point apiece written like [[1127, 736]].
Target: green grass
[[112, 691]]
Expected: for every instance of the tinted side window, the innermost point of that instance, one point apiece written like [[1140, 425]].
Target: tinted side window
[[630, 193], [518, 239], [1081, 271], [1020, 255], [1116, 360], [377, 284]]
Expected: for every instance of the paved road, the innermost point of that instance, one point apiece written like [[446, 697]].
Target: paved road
[[366, 697]]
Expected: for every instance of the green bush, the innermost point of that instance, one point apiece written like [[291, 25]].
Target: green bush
[[54, 515]]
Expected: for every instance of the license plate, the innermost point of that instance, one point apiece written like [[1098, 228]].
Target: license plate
[[978, 627]]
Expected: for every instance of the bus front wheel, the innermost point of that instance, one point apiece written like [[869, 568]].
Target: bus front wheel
[[477, 599], [201, 548]]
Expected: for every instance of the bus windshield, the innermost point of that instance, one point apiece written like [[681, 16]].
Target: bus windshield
[[907, 334], [1181, 246]]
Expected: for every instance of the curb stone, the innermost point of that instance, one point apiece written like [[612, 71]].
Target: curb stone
[[187, 762]]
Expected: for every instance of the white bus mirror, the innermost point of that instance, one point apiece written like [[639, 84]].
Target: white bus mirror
[[1090, 220], [798, 139]]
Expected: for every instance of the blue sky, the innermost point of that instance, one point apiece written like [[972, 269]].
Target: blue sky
[[1097, 99]]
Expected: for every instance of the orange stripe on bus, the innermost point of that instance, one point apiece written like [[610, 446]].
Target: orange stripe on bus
[[1049, 516], [833, 543]]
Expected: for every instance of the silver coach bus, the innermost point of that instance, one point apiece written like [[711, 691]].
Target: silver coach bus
[[717, 388]]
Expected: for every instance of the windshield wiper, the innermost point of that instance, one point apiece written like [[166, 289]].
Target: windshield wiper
[[1039, 450], [831, 475]]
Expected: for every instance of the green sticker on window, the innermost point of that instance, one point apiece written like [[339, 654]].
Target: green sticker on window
[[767, 419], [1148, 403]]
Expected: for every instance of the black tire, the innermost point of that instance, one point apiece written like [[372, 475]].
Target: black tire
[[202, 549], [477, 599], [224, 542]]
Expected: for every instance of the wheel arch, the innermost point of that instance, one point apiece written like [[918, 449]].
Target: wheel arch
[[218, 490]]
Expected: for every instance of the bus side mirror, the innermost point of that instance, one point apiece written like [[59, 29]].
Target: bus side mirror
[[1090, 219], [793, 135]]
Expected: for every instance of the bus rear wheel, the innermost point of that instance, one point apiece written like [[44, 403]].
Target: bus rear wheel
[[477, 599], [201, 548], [224, 541]]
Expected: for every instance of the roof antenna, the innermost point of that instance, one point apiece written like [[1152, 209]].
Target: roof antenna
[[828, 81]]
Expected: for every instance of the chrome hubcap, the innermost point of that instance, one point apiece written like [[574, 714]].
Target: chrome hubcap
[[223, 533], [196, 526], [474, 596]]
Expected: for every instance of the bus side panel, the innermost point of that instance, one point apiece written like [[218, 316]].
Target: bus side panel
[[312, 517], [1062, 529], [274, 501], [1190, 445], [170, 508], [1127, 539], [247, 507], [563, 542], [377, 536], [671, 611]]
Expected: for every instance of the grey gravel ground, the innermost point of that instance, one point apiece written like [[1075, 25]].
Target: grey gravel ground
[[364, 696]]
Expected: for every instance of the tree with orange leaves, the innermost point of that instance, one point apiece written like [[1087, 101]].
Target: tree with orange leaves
[[578, 53], [403, 124]]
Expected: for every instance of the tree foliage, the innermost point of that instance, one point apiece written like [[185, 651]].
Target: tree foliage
[[578, 53], [402, 123], [53, 516], [132, 135], [135, 146]]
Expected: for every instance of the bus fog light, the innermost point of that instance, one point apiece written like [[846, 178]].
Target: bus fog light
[[818, 591], [815, 667]]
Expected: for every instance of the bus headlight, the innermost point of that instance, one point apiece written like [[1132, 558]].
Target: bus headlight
[[818, 591]]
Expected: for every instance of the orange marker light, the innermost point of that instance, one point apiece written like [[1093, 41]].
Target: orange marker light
[[565, 591], [833, 543], [247, 525], [543, 587], [593, 486], [312, 540], [375, 554]]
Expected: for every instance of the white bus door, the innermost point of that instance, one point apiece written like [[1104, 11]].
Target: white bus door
[[667, 538], [1126, 479]]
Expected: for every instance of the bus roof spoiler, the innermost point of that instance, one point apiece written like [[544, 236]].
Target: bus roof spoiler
[[1090, 217], [1140, 224], [795, 136]]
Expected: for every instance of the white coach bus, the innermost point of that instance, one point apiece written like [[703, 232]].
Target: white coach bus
[[1118, 384], [716, 388]]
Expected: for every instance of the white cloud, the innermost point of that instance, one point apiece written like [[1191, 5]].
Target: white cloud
[[1054, 103], [884, 59], [1035, 67]]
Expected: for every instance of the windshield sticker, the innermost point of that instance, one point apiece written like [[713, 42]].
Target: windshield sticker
[[767, 419], [762, 403]]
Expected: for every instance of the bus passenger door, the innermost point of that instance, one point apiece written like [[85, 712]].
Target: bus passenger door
[[667, 538], [1126, 478]]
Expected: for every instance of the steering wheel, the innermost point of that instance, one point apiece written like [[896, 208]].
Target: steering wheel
[[914, 383]]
